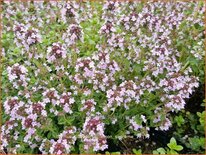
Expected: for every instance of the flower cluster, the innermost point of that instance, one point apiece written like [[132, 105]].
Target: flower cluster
[[73, 34], [76, 73], [56, 52], [69, 12], [93, 134], [63, 145], [26, 36], [17, 74], [138, 127], [66, 101], [88, 105], [98, 70], [107, 29], [65, 142], [30, 117], [122, 95]]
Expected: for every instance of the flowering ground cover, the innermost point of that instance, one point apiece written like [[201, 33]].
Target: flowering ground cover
[[102, 77]]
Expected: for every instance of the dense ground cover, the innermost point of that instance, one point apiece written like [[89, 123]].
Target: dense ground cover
[[96, 77]]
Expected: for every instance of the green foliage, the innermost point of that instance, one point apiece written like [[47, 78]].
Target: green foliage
[[196, 143], [112, 153], [194, 139], [139, 151], [173, 145], [179, 120], [173, 148], [202, 118]]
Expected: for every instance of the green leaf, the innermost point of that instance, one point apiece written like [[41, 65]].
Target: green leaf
[[61, 120], [197, 142], [155, 152], [137, 151], [69, 120], [92, 42], [179, 120], [55, 134], [161, 150], [116, 153], [32, 80], [4, 72], [172, 143], [202, 117], [178, 148], [49, 135], [172, 152], [199, 114]]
